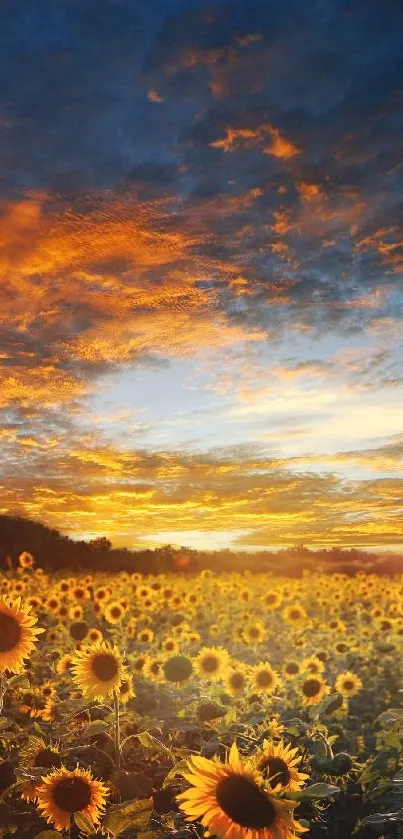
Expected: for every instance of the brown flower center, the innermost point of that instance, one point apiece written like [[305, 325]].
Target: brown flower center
[[10, 633], [47, 758], [276, 770], [210, 664], [264, 679], [292, 668], [237, 681], [79, 630], [311, 687], [72, 794], [178, 668], [348, 684], [104, 667], [244, 803]]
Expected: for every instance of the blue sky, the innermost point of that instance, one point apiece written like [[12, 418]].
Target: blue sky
[[201, 261]]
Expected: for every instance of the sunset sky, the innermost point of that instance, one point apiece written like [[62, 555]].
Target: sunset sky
[[201, 257]]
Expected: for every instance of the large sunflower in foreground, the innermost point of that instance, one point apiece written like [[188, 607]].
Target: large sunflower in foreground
[[64, 793], [278, 764], [17, 634], [229, 800], [98, 670]]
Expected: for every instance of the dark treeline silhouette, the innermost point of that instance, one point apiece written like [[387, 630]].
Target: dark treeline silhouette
[[53, 552]]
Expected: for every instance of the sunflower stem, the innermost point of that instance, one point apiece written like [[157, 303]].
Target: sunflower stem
[[3, 688], [117, 728]]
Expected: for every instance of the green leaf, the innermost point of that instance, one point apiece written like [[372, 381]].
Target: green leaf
[[83, 823], [19, 681], [132, 815], [314, 792], [150, 742], [178, 769], [390, 716], [94, 727]]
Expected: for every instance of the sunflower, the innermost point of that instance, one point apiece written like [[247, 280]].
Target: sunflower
[[94, 635], [26, 559], [17, 634], [236, 680], [272, 600], [291, 669], [313, 665], [139, 662], [342, 647], [263, 679], [98, 670], [114, 612], [101, 594], [212, 663], [255, 633], [76, 613], [153, 669], [279, 766], [126, 690], [64, 793], [78, 630], [37, 754], [313, 689], [229, 800], [64, 663], [348, 684], [178, 669], [80, 593], [294, 614], [145, 636], [170, 645]]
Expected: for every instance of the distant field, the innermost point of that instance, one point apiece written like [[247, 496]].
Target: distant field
[[134, 675]]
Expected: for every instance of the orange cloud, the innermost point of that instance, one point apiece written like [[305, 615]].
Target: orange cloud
[[80, 287], [240, 138], [230, 491]]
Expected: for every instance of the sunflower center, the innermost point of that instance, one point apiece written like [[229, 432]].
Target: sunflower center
[[72, 794], [311, 687], [244, 803], [292, 668], [237, 680], [295, 614], [348, 684], [104, 666], [264, 678], [79, 630], [48, 759], [178, 668], [10, 633], [210, 664], [276, 770]]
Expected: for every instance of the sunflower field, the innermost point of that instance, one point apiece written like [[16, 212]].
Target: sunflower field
[[236, 705]]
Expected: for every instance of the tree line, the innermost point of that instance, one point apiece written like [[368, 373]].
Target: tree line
[[54, 551]]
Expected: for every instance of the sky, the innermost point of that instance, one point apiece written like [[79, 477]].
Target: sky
[[201, 257]]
